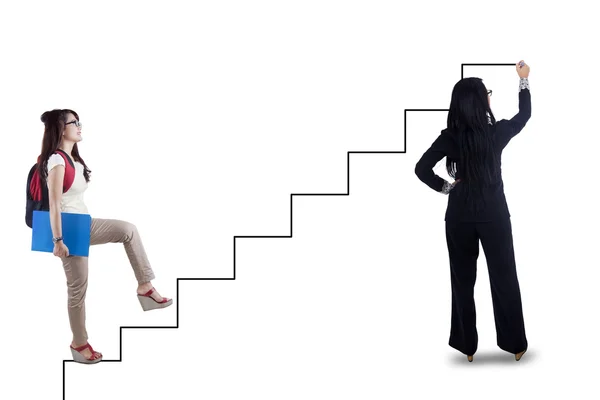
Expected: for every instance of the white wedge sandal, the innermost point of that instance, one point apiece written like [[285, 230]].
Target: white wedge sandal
[[148, 303], [80, 358]]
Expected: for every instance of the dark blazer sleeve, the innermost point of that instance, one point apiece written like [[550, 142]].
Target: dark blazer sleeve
[[424, 167], [514, 125]]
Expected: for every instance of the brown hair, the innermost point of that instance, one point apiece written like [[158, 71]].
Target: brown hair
[[54, 124]]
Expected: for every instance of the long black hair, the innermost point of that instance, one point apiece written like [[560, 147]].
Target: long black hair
[[54, 125], [470, 120]]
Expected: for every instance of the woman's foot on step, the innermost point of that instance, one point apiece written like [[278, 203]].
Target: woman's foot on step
[[145, 288], [87, 353]]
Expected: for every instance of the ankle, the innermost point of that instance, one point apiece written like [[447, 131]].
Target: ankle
[[144, 286]]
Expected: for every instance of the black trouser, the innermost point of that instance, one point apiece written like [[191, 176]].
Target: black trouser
[[463, 249]]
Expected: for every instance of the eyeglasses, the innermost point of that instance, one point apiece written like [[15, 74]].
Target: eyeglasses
[[77, 123], [489, 92]]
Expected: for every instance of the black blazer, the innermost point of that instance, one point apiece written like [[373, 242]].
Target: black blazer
[[445, 146]]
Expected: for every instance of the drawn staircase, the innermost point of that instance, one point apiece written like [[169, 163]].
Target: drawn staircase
[[235, 238]]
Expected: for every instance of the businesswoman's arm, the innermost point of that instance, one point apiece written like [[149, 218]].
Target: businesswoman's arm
[[517, 123], [424, 167], [55, 190]]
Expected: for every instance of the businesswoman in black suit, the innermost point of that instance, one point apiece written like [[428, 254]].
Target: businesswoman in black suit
[[477, 210]]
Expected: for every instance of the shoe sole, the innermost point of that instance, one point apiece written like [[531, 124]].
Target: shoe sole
[[79, 358], [148, 303]]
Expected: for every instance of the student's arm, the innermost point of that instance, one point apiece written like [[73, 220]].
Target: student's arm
[[55, 190], [424, 168]]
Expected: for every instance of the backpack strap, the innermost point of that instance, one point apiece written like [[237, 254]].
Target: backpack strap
[[37, 191], [69, 170]]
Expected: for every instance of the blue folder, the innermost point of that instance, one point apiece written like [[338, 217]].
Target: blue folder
[[75, 229]]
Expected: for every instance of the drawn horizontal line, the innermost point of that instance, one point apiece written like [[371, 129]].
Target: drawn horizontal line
[[319, 194], [205, 279], [378, 152], [426, 109], [463, 65], [149, 327], [489, 65], [261, 237]]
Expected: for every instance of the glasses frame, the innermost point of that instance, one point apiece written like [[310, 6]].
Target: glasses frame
[[76, 122], [489, 92]]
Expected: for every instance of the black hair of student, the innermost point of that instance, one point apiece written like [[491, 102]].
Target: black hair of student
[[54, 125], [468, 122]]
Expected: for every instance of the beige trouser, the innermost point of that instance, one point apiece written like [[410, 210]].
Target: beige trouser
[[76, 268]]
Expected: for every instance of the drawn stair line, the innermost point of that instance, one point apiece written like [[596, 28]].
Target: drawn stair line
[[233, 277]]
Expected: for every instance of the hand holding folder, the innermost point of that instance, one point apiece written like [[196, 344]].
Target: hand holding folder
[[76, 230]]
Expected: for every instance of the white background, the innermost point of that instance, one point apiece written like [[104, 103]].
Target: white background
[[200, 119]]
